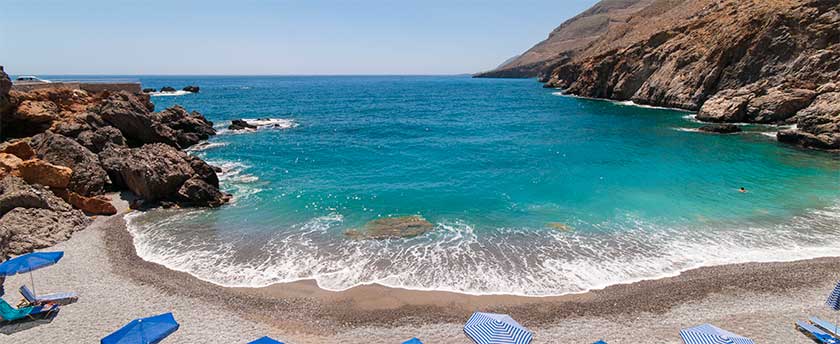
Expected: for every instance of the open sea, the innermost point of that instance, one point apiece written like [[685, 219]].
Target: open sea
[[530, 192]]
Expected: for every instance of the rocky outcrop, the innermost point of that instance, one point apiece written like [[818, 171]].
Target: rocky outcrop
[[132, 115], [720, 128], [241, 124], [197, 192], [570, 37], [392, 228], [167, 89], [818, 125], [157, 172], [732, 61], [88, 176], [189, 128], [37, 171], [149, 90], [23, 230], [192, 89], [9, 163], [99, 139]]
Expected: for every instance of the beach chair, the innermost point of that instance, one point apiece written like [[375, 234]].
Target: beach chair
[[826, 326], [816, 334], [18, 319], [56, 298]]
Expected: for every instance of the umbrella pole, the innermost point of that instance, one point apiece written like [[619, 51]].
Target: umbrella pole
[[32, 280]]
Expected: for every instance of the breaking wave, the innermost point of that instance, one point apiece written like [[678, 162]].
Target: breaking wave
[[169, 94], [513, 261]]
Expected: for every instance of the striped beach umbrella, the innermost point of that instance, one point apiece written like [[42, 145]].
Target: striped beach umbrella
[[413, 341], [833, 301], [490, 328], [709, 334]]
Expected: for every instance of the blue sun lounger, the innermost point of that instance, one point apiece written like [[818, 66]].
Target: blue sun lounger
[[816, 334], [57, 298], [825, 326]]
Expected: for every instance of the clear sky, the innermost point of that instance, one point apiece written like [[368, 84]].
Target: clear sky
[[272, 37]]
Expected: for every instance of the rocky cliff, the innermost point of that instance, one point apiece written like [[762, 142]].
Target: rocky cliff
[[758, 61], [571, 36], [63, 149]]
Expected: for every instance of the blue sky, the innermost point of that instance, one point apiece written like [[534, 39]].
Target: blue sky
[[272, 37]]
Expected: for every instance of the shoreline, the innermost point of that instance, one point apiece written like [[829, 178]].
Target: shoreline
[[760, 300]]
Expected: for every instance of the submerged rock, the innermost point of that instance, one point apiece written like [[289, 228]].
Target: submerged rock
[[240, 124], [191, 89], [720, 128], [559, 226], [392, 228]]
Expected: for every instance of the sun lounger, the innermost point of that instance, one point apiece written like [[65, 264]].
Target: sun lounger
[[57, 298], [816, 334], [826, 326], [18, 319]]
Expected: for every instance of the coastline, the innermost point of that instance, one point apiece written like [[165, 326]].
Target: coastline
[[760, 300]]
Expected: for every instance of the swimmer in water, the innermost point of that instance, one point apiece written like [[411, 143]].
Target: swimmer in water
[[742, 190]]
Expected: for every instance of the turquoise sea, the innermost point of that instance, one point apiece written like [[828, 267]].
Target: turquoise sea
[[493, 164]]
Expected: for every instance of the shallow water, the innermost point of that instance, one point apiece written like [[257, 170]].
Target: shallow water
[[492, 163]]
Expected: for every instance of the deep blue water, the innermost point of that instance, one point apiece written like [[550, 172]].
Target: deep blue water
[[493, 164]]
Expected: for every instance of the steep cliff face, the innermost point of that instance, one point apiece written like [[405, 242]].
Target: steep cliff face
[[732, 61], [572, 35]]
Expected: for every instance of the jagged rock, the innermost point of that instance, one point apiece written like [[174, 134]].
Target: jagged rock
[[16, 193], [98, 140], [189, 128], [18, 148], [392, 227], [37, 171], [239, 124], [167, 89], [130, 114], [23, 230], [9, 163], [149, 90], [778, 105], [173, 126], [88, 176], [158, 172], [818, 125], [204, 171], [35, 111], [720, 128], [726, 106], [95, 205], [192, 89], [153, 172], [197, 192], [5, 87]]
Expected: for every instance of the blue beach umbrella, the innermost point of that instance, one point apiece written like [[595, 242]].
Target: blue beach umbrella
[[490, 328], [413, 341], [265, 340], [28, 262], [149, 330], [709, 334]]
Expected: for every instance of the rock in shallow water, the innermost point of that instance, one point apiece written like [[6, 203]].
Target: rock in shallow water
[[240, 124], [720, 128], [392, 228]]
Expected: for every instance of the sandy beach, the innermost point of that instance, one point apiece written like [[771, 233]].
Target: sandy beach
[[760, 301]]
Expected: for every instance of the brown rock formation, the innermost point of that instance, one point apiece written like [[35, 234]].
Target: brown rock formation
[[88, 176], [94, 205], [8, 164], [37, 171]]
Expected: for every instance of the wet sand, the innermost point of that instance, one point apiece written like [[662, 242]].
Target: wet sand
[[758, 300]]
